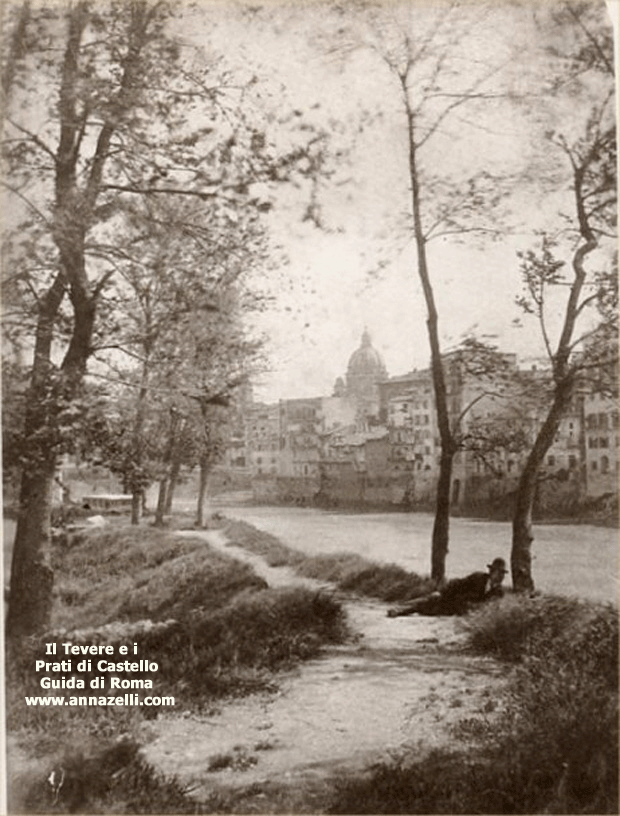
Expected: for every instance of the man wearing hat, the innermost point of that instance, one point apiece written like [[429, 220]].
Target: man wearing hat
[[460, 594]]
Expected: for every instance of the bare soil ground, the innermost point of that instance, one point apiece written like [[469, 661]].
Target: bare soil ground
[[400, 687]]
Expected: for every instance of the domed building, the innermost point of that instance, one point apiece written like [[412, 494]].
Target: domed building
[[366, 368]]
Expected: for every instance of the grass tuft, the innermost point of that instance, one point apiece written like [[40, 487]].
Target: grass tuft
[[347, 571], [131, 573], [207, 620], [115, 779]]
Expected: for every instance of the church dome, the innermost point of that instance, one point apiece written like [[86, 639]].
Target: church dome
[[366, 362]]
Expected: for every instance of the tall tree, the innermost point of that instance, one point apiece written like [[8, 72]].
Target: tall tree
[[426, 49], [578, 260], [98, 117]]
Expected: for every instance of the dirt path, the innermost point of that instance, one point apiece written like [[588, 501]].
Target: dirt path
[[401, 686]]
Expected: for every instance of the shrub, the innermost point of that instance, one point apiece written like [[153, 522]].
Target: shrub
[[348, 571], [115, 779], [256, 631], [388, 582], [332, 567], [260, 543], [442, 782], [127, 573], [554, 750], [507, 628]]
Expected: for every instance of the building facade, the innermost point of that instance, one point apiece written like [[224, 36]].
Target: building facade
[[376, 440]]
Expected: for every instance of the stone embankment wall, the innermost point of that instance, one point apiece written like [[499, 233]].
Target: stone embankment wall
[[485, 497]]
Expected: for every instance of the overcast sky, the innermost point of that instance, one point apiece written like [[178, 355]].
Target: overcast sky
[[327, 293]]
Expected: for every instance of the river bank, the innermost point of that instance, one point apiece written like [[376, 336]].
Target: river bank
[[574, 560], [396, 694], [401, 685]]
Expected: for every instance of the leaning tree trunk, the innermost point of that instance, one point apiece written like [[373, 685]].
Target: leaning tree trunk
[[73, 211], [31, 573], [31, 579], [522, 532], [564, 376]]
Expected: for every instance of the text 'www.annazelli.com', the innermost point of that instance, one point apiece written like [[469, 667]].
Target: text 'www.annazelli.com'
[[126, 699]]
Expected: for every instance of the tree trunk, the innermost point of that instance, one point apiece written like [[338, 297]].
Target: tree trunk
[[31, 574], [441, 527], [205, 467], [522, 533], [172, 483], [136, 506], [161, 503], [32, 577], [138, 489], [165, 483]]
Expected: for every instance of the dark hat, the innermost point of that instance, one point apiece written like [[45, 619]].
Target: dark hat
[[497, 564]]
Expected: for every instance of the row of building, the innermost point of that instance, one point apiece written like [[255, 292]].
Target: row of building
[[375, 439]]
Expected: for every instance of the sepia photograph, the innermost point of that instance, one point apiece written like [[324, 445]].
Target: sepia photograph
[[309, 407]]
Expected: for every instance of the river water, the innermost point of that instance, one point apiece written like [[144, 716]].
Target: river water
[[570, 559], [580, 560]]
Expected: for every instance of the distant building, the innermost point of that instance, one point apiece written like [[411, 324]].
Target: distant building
[[365, 371], [263, 439], [299, 430], [376, 440], [601, 444]]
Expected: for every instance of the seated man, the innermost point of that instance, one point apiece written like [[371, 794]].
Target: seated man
[[460, 594]]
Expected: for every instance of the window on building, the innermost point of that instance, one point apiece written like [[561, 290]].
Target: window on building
[[551, 461], [603, 442], [604, 464], [592, 442], [594, 465], [572, 462]]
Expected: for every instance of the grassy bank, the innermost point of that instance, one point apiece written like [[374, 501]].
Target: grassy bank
[[210, 623], [554, 750], [216, 630], [347, 571]]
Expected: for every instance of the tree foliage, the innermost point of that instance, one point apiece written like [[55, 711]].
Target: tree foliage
[[108, 112]]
